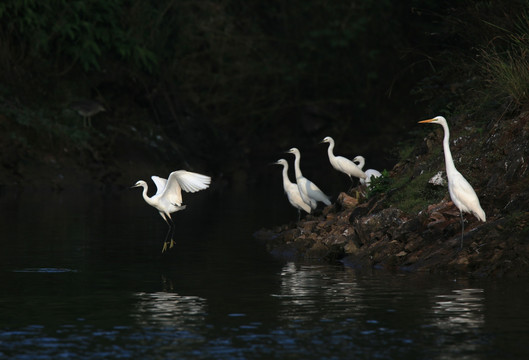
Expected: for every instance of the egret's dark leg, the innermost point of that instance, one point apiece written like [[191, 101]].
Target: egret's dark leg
[[169, 234], [299, 215], [462, 228], [165, 242], [171, 222]]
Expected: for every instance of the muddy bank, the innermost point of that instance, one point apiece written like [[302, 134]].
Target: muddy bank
[[377, 233]]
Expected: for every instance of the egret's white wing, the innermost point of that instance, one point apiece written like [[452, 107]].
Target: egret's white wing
[[184, 180], [294, 197], [190, 181], [313, 191], [370, 173], [318, 195], [464, 196], [350, 167], [373, 172], [303, 187], [160, 184]]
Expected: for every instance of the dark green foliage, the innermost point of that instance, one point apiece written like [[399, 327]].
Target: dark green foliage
[[505, 62], [414, 194], [71, 31], [478, 58], [380, 185], [232, 60], [252, 67]]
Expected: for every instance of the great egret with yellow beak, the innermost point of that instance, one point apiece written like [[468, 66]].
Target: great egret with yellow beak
[[461, 192]]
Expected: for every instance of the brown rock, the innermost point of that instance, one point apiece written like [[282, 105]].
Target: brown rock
[[346, 201]]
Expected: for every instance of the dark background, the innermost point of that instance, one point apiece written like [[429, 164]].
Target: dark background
[[225, 87]]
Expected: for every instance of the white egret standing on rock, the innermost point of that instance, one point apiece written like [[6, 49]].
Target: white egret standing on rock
[[168, 197], [370, 173], [310, 193], [341, 163], [461, 192], [292, 190]]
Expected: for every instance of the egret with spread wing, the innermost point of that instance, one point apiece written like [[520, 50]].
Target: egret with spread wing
[[310, 193], [461, 192], [292, 190], [168, 197]]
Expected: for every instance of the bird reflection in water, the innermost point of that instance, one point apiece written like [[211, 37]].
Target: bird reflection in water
[[171, 309], [463, 307], [458, 316], [308, 290]]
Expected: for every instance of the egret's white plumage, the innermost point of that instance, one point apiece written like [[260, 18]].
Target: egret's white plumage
[[461, 192], [292, 190], [310, 193], [168, 197], [341, 163], [370, 173]]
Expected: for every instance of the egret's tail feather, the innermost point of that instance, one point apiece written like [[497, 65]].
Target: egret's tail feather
[[480, 214]]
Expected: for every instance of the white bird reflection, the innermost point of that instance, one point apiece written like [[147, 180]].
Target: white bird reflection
[[463, 307], [166, 308], [308, 291], [458, 315]]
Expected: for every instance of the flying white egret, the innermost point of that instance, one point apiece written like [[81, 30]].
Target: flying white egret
[[310, 193], [292, 190], [168, 197], [370, 173], [461, 192], [341, 163]]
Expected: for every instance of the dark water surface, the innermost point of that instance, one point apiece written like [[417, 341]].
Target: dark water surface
[[82, 277]]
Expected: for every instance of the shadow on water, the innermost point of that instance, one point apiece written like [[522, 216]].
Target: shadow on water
[[82, 276]]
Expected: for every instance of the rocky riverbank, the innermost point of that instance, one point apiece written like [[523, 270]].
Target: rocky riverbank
[[375, 233]]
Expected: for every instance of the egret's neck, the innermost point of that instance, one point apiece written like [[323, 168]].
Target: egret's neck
[[144, 193], [297, 169], [330, 150], [449, 162], [361, 163], [286, 180]]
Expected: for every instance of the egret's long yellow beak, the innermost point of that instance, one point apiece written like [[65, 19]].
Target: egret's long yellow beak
[[426, 121]]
